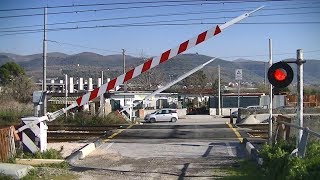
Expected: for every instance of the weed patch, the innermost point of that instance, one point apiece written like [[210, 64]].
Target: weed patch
[[245, 170], [279, 164], [48, 154]]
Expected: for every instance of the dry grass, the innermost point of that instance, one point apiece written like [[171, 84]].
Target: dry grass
[[11, 111]]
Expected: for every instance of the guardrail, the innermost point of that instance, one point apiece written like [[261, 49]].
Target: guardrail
[[301, 150]]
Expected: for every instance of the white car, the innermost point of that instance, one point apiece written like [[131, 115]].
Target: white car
[[165, 114]]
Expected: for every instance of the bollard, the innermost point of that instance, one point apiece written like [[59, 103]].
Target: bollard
[[231, 118]]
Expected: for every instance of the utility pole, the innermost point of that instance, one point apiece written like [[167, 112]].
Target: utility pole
[[102, 97], [238, 94], [265, 75], [270, 96], [44, 79], [238, 76], [219, 92], [124, 69], [300, 92], [66, 92]]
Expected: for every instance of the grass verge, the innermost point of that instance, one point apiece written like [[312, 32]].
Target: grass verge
[[244, 169]]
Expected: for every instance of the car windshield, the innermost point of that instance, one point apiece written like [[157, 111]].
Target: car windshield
[[155, 112]]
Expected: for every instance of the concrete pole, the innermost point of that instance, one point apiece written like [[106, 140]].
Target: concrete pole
[[44, 79], [71, 85], [270, 96], [102, 98], [124, 69], [99, 82], [265, 75], [300, 92], [80, 84], [238, 94], [219, 93], [90, 85], [66, 92]]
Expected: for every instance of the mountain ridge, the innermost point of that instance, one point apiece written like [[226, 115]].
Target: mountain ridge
[[91, 64]]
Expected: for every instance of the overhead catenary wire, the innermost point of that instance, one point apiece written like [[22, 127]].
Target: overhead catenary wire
[[104, 9], [156, 24], [7, 30], [157, 15], [139, 7], [140, 2]]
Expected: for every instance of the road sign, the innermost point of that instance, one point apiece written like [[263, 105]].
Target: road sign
[[238, 74]]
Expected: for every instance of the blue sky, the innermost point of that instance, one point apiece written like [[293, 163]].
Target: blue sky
[[238, 41]]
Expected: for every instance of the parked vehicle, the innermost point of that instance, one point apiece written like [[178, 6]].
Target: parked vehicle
[[165, 114]]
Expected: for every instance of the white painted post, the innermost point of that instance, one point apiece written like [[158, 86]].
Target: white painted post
[[66, 92], [99, 82], [90, 86], [300, 93], [80, 84], [270, 96], [71, 88], [219, 93]]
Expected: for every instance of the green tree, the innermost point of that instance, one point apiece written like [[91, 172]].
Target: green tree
[[21, 89], [9, 71], [16, 85]]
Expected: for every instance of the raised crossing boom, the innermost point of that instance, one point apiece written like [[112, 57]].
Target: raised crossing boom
[[34, 131], [152, 62]]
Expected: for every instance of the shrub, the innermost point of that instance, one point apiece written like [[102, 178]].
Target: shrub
[[11, 111], [48, 154], [84, 119], [279, 164]]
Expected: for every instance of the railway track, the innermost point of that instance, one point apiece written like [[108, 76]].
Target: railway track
[[255, 130], [65, 133]]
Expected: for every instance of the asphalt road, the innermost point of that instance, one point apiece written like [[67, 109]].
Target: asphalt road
[[192, 148]]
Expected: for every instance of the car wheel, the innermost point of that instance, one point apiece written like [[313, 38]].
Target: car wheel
[[173, 119], [152, 120]]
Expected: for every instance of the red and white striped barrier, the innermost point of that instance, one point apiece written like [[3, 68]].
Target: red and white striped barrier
[[152, 62]]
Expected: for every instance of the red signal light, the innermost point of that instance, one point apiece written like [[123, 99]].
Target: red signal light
[[279, 74]]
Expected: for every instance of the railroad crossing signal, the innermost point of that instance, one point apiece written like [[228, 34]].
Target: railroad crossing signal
[[280, 75]]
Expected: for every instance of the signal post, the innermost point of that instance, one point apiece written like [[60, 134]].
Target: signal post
[[280, 75]]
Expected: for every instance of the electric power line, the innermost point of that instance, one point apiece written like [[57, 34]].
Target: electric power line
[[156, 15], [140, 2], [157, 24], [137, 7]]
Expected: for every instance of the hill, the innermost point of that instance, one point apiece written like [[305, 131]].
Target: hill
[[88, 64]]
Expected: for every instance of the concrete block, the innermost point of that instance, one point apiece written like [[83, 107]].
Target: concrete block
[[213, 111], [87, 150], [17, 171], [249, 147]]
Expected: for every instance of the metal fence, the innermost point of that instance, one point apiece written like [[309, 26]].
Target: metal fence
[[283, 132], [7, 148]]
